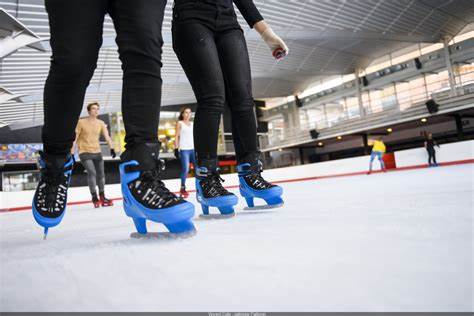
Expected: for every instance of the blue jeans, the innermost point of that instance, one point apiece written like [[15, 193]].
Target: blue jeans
[[186, 156], [379, 155]]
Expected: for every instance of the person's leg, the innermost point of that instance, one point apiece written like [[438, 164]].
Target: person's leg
[[382, 163], [197, 52], [192, 158], [138, 24], [184, 156], [195, 47], [99, 167], [88, 164], [235, 65], [372, 157], [434, 157], [140, 42], [76, 36], [234, 60], [430, 157]]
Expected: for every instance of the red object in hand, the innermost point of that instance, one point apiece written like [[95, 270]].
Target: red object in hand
[[279, 53]]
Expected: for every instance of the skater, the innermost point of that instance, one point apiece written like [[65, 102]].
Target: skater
[[76, 37], [88, 131], [378, 150], [184, 142], [430, 144], [212, 50]]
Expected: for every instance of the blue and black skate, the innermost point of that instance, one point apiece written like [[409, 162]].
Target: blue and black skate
[[211, 193], [49, 202], [253, 185], [145, 196]]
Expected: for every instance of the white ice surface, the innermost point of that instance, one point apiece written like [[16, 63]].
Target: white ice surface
[[399, 241]]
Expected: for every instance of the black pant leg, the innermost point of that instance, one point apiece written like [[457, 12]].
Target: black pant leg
[[195, 47], [138, 24], [235, 64], [76, 36]]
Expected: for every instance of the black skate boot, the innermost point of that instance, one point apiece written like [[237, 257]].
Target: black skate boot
[[49, 202], [210, 192], [95, 200], [253, 185], [104, 202], [145, 196]]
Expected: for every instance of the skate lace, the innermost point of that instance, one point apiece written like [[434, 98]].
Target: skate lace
[[54, 190], [151, 180], [213, 185], [257, 181]]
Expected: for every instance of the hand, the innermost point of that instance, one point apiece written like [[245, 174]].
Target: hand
[[112, 153], [176, 153], [276, 44]]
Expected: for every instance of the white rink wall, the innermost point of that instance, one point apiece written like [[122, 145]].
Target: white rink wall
[[446, 153], [452, 152]]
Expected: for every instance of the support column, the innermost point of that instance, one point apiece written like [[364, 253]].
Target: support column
[[301, 152], [295, 114], [359, 94], [325, 115], [365, 139], [397, 103], [449, 66], [459, 128]]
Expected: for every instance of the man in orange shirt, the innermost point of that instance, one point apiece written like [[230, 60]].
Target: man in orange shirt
[[88, 131]]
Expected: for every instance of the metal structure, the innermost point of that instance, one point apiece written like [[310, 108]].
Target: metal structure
[[325, 38], [393, 95]]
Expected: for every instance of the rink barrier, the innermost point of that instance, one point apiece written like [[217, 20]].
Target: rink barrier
[[339, 175]]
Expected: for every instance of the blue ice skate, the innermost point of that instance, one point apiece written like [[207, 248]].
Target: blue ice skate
[[50, 199], [252, 185], [145, 196], [211, 193]]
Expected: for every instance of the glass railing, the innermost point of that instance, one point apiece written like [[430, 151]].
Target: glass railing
[[393, 100]]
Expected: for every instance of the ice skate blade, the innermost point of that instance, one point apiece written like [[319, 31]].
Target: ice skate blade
[[216, 216], [163, 235], [263, 207]]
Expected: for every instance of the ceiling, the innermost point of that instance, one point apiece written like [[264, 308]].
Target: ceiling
[[326, 38]]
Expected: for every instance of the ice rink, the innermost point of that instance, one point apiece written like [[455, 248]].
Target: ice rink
[[400, 241]]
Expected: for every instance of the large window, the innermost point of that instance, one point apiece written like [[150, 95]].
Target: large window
[[465, 74], [352, 105], [403, 95], [418, 90], [437, 82]]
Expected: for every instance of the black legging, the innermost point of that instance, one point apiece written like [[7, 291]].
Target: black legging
[[432, 156], [76, 36], [211, 48]]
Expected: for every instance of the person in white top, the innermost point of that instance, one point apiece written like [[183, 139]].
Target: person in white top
[[184, 143]]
